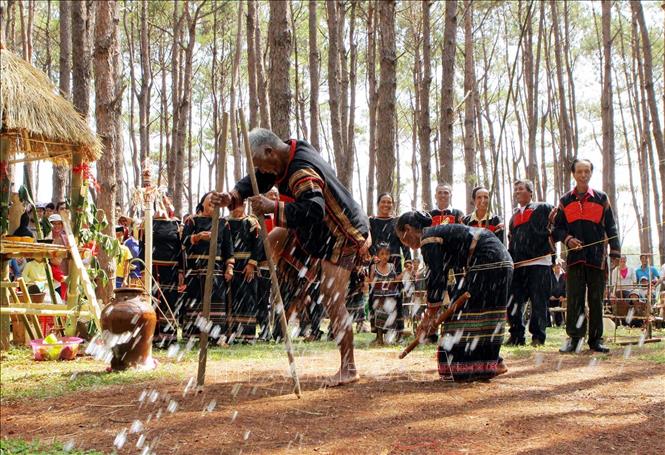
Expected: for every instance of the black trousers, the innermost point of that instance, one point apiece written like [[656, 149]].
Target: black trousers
[[584, 282], [529, 283]]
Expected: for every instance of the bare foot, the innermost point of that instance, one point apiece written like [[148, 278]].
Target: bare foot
[[501, 368], [342, 378]]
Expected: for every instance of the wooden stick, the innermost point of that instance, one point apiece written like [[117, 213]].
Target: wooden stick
[[271, 264], [212, 257], [442, 318]]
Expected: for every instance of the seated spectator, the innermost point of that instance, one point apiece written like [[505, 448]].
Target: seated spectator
[[647, 270], [558, 294], [623, 278], [34, 274]]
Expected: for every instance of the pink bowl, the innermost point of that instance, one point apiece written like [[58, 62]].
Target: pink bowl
[[65, 349]]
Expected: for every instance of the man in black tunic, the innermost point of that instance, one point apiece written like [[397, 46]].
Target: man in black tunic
[[319, 234]]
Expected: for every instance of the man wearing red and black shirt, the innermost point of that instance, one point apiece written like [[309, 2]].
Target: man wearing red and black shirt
[[531, 249], [585, 224], [445, 213]]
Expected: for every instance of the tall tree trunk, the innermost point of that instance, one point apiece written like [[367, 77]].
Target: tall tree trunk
[[237, 155], [65, 69], [133, 93], [353, 71], [607, 109], [387, 92], [261, 83], [565, 133], [373, 101], [280, 39], [314, 60], [175, 100], [469, 120], [447, 118], [334, 89], [424, 129], [653, 107], [107, 114], [252, 19], [146, 86], [185, 107]]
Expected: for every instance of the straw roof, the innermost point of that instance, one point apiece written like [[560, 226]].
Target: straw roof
[[39, 122]]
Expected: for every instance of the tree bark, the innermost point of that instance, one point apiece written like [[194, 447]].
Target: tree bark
[[334, 89], [653, 107], [146, 85], [264, 105], [607, 109], [424, 129], [107, 114], [373, 102], [386, 101], [353, 71], [447, 79], [471, 178], [280, 40], [251, 65], [314, 61], [237, 155], [65, 69]]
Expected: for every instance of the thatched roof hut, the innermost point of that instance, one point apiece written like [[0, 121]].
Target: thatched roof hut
[[36, 119]]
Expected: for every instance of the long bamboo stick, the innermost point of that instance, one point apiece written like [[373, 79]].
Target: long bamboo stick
[[271, 264], [212, 256]]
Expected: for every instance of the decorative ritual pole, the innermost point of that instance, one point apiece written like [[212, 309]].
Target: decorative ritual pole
[[277, 296]]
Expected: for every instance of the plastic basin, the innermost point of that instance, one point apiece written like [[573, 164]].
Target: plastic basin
[[66, 349]]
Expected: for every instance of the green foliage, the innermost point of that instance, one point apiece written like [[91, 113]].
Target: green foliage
[[19, 446]]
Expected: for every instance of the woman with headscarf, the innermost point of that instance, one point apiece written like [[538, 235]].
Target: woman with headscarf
[[473, 335], [382, 229], [196, 240]]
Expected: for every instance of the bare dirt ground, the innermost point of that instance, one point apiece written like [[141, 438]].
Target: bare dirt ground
[[547, 403]]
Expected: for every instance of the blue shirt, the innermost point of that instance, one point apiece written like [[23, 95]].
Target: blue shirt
[[646, 272]]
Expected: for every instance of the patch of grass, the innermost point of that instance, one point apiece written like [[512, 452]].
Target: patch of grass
[[19, 446]]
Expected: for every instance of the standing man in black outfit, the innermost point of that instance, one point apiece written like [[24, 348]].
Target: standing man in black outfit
[[585, 224], [531, 248]]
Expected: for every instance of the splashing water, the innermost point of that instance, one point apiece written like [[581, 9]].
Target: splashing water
[[136, 427], [216, 331], [627, 351], [172, 407], [245, 437], [593, 362], [538, 359], [235, 390], [211, 406], [580, 321], [140, 441], [642, 338], [173, 350], [630, 314], [188, 387], [68, 446], [234, 415], [120, 438]]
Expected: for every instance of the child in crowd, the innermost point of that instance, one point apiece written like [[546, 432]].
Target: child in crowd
[[123, 258], [385, 291]]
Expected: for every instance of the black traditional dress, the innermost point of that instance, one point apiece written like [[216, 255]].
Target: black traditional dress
[[383, 231], [195, 275], [384, 296], [473, 335], [247, 249], [167, 262]]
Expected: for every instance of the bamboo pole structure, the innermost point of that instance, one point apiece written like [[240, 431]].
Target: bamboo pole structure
[[277, 296], [212, 255]]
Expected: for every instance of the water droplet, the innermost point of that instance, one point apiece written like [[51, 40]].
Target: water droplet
[[136, 427], [140, 441], [593, 362], [538, 358], [68, 446], [235, 390], [153, 396], [234, 414], [172, 407], [211, 406], [246, 435], [630, 314], [173, 350], [627, 351], [120, 438], [580, 344], [580, 321], [642, 338], [216, 331]]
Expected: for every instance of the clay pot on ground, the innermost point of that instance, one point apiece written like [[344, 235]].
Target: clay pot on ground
[[130, 315]]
